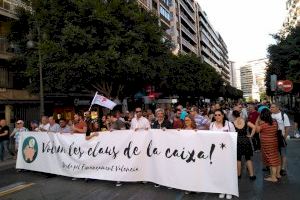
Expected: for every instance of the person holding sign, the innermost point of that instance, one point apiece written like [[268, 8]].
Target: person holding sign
[[220, 123], [161, 122], [79, 124], [139, 122]]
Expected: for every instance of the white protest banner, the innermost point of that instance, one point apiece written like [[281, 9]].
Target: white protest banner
[[202, 161]]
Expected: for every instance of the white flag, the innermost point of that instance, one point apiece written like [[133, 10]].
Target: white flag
[[103, 101]]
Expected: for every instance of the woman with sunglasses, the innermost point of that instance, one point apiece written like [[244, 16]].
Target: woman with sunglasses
[[220, 123]]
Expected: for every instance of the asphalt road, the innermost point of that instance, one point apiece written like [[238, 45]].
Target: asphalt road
[[33, 185]]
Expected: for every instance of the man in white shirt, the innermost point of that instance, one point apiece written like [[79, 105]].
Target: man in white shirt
[[44, 126], [139, 122], [54, 127], [283, 125]]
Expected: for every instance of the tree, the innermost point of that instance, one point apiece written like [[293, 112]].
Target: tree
[[188, 76], [284, 58], [109, 45]]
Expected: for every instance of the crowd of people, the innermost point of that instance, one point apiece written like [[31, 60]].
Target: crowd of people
[[260, 127]]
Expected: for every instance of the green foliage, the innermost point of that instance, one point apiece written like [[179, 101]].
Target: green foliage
[[284, 58], [112, 46]]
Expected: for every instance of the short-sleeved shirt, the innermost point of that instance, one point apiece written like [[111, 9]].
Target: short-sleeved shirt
[[282, 123], [65, 129], [2, 130], [45, 127], [54, 128], [252, 117], [201, 122], [228, 127]]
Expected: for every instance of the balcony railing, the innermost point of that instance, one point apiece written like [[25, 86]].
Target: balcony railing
[[189, 45], [9, 6], [187, 9], [183, 16], [186, 31]]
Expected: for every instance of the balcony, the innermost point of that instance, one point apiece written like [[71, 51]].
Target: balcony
[[4, 45], [211, 64], [192, 25], [209, 54], [189, 45], [187, 10], [187, 32], [189, 3]]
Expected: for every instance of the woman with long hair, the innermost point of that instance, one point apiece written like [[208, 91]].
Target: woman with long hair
[[220, 123], [189, 123], [267, 127]]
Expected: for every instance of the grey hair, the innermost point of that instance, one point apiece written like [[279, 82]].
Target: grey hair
[[159, 110]]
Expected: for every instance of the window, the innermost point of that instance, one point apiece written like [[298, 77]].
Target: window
[[165, 13], [168, 2]]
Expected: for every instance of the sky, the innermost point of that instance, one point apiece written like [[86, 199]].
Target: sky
[[245, 25]]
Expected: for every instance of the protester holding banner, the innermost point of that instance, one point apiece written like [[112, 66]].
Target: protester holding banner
[[139, 122], [93, 130], [244, 147], [267, 127], [189, 123], [63, 127], [79, 125], [44, 126], [177, 122], [161, 122], [220, 123], [116, 122], [16, 133], [202, 123], [54, 127]]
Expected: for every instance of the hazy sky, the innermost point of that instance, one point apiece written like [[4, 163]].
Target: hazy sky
[[245, 25]]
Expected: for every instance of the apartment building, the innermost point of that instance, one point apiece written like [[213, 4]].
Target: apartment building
[[213, 49], [166, 12], [188, 28], [253, 78], [293, 13], [14, 101]]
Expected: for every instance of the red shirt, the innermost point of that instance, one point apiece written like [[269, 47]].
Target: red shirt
[[252, 117]]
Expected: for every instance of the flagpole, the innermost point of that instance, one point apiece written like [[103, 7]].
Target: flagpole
[[93, 101]]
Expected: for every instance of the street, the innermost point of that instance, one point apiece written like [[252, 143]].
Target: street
[[35, 185]]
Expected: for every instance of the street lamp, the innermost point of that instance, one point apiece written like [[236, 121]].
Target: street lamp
[[30, 44]]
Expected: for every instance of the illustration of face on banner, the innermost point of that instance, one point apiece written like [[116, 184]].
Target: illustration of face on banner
[[29, 149]]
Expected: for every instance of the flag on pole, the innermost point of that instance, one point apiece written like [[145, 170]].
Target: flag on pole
[[102, 101]]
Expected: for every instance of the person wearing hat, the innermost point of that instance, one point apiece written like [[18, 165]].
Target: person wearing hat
[[16, 133]]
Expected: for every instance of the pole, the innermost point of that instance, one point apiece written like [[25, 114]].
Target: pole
[[93, 101], [41, 74]]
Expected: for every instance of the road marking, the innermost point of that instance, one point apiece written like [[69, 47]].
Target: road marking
[[14, 188]]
